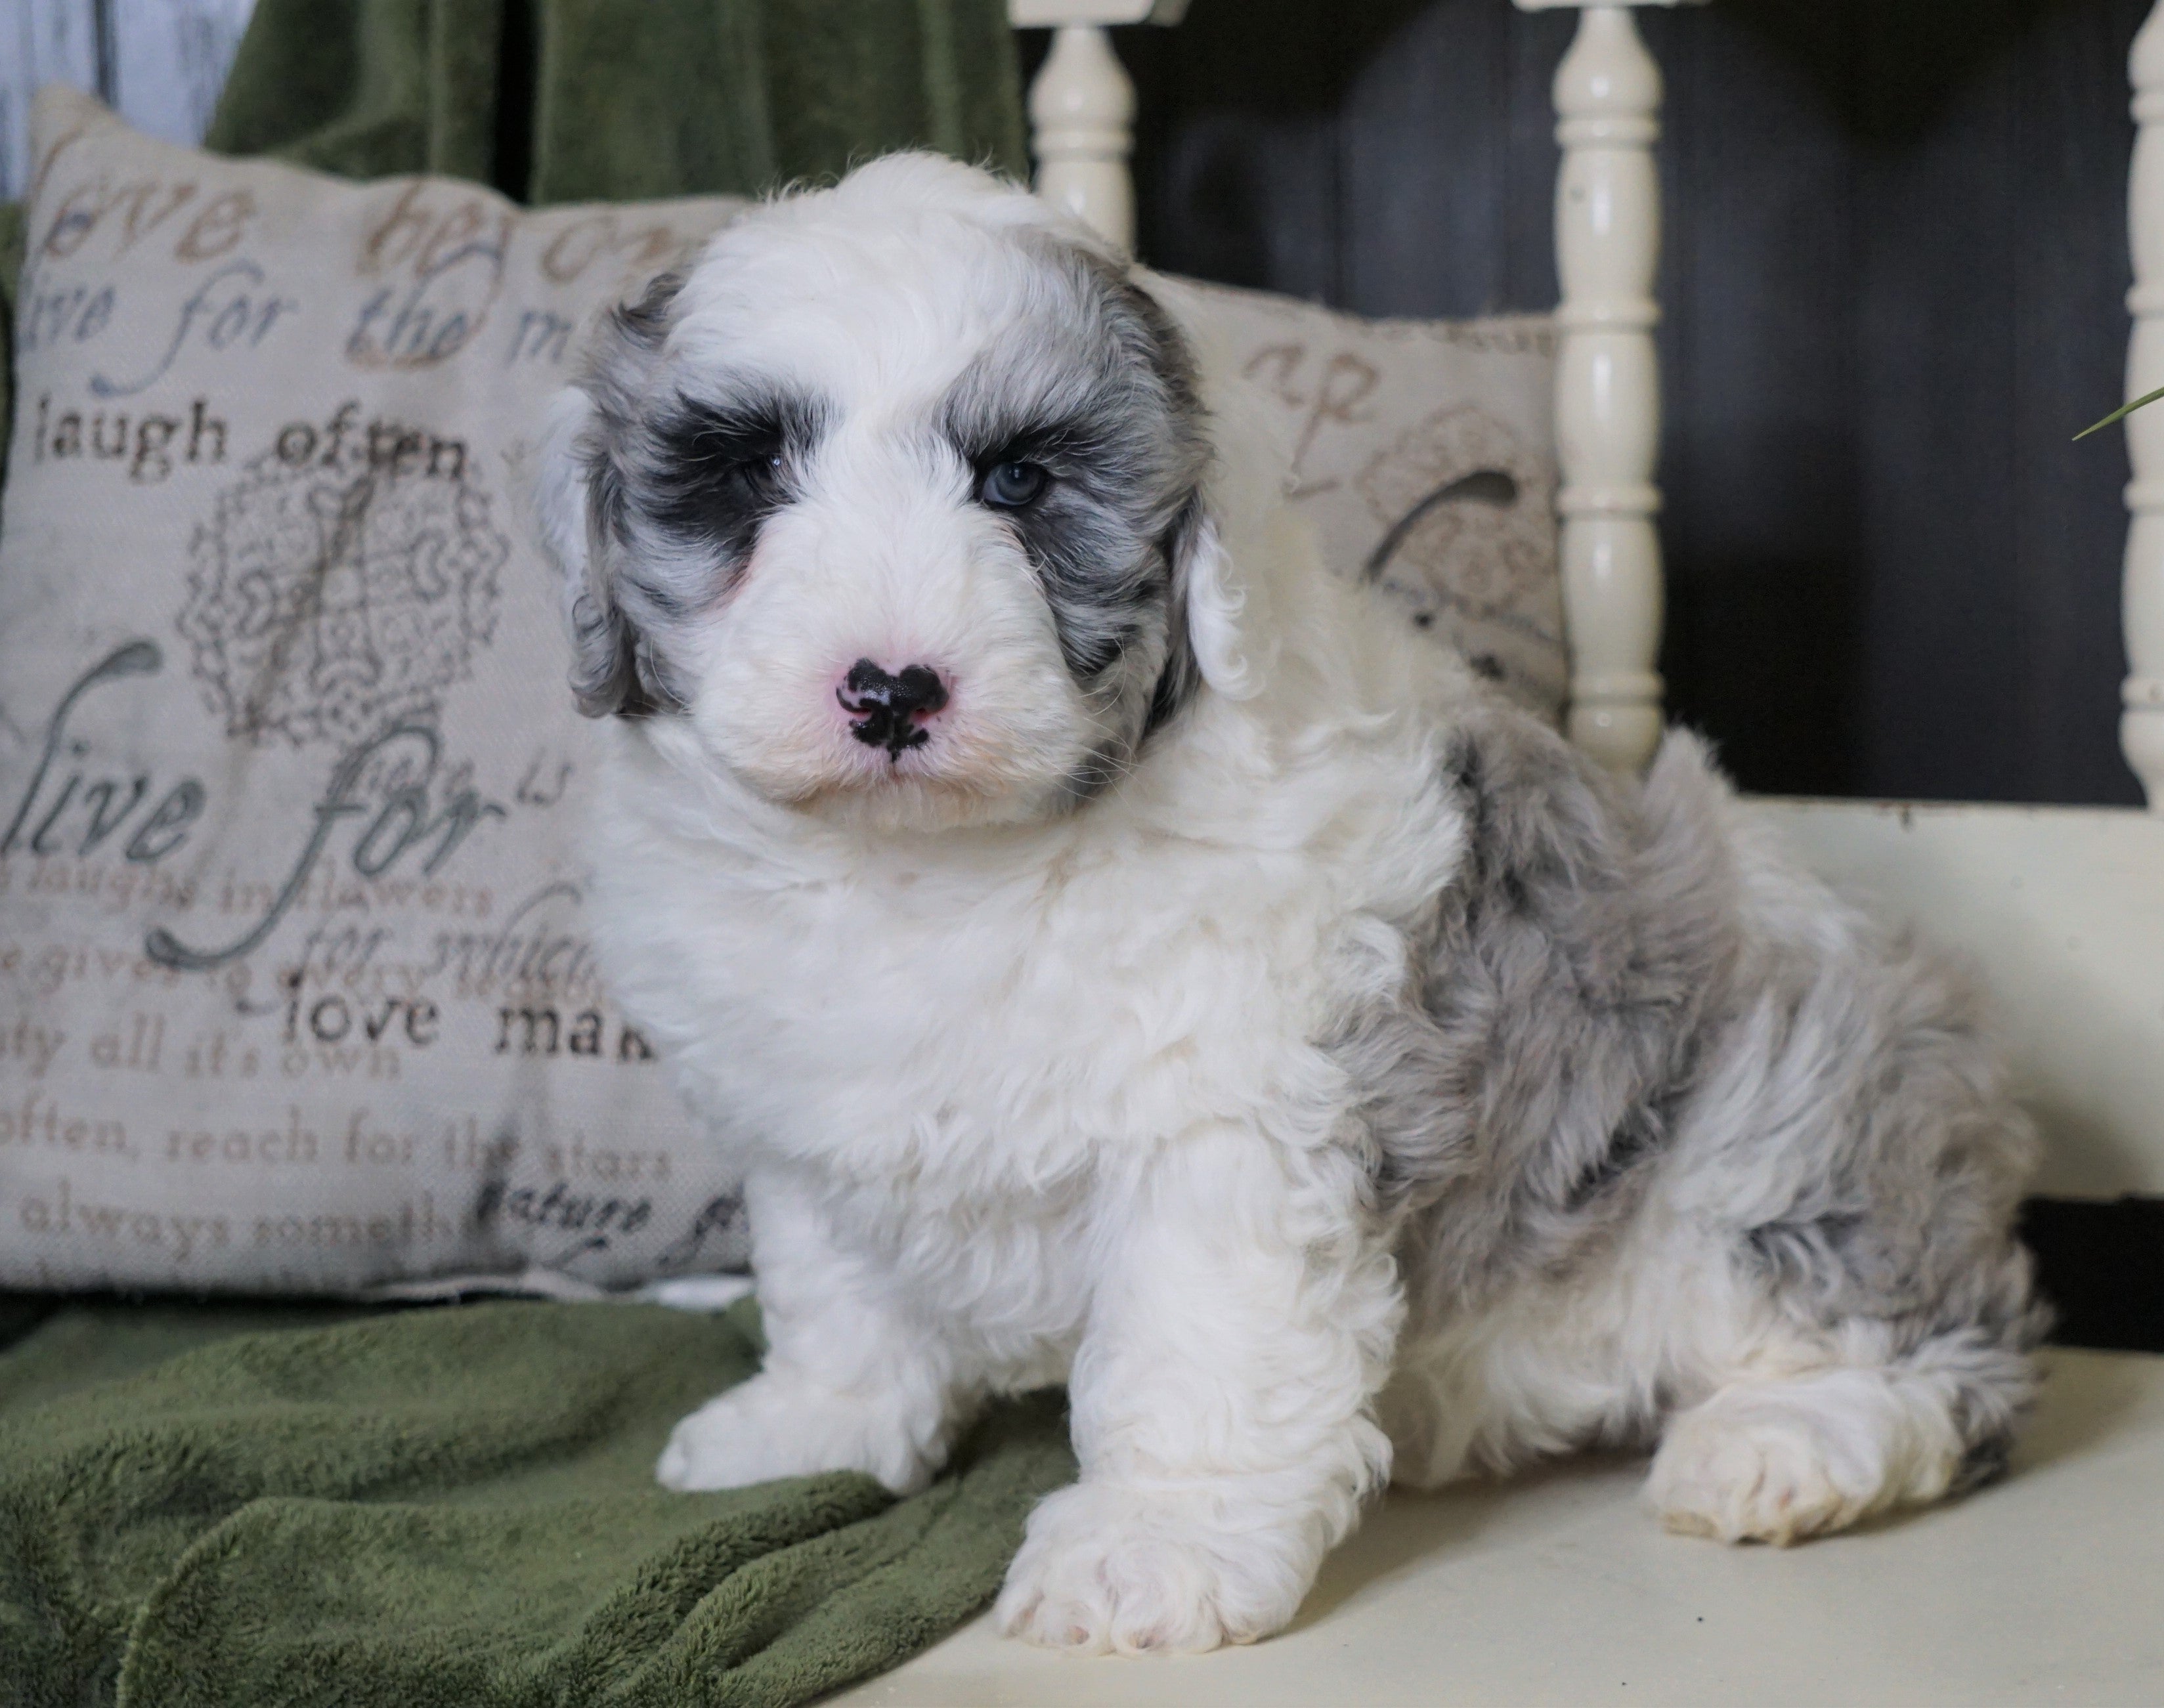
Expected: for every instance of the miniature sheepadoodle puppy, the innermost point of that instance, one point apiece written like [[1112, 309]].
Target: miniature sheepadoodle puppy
[[1123, 953]]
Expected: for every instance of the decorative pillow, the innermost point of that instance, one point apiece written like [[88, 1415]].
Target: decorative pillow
[[294, 994], [294, 989], [1424, 453]]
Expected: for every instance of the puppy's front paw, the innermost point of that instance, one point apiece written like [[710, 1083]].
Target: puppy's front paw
[[775, 1425], [1107, 1570]]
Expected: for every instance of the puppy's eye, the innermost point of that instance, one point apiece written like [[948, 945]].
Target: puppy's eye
[[760, 476], [1010, 486]]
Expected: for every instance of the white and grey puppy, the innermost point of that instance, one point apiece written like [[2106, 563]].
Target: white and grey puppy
[[1123, 954]]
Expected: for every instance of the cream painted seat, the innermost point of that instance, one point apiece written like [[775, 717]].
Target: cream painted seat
[[2047, 1587]]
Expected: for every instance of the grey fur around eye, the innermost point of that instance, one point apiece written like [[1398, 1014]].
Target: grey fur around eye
[[760, 476], [1011, 485]]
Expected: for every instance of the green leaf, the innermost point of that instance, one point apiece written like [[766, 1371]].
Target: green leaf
[[2119, 416]]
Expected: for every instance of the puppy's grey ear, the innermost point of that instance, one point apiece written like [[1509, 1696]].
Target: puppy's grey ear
[[1212, 602], [570, 498]]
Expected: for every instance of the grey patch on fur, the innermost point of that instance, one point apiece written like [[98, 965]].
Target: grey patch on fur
[[615, 667], [1098, 388], [1595, 982], [714, 471], [1559, 1006], [678, 487]]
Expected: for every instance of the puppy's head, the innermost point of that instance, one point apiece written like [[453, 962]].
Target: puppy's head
[[894, 504]]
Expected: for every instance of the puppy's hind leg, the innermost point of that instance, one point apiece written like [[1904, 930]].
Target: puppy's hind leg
[[850, 1383], [1786, 1457], [1853, 1164]]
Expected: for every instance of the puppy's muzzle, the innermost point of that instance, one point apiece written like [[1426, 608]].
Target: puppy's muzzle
[[884, 710]]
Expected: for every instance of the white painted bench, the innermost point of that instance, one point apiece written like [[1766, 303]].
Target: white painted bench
[[1559, 1589]]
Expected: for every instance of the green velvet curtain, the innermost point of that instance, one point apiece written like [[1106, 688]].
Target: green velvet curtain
[[578, 99]]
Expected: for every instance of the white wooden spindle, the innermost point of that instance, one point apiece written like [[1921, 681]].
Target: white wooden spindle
[[2141, 724], [1082, 111], [1608, 387], [1082, 108]]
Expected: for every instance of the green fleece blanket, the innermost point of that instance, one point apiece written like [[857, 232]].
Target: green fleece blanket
[[450, 1508]]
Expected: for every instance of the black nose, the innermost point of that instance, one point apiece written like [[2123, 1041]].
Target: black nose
[[884, 709]]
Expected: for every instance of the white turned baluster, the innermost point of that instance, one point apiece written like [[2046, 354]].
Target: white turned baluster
[[2142, 724], [1608, 384], [1608, 387], [1082, 108], [1082, 112]]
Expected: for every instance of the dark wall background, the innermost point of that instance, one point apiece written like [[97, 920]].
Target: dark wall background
[[1895, 280]]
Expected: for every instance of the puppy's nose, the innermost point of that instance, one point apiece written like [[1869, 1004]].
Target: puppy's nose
[[884, 709]]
